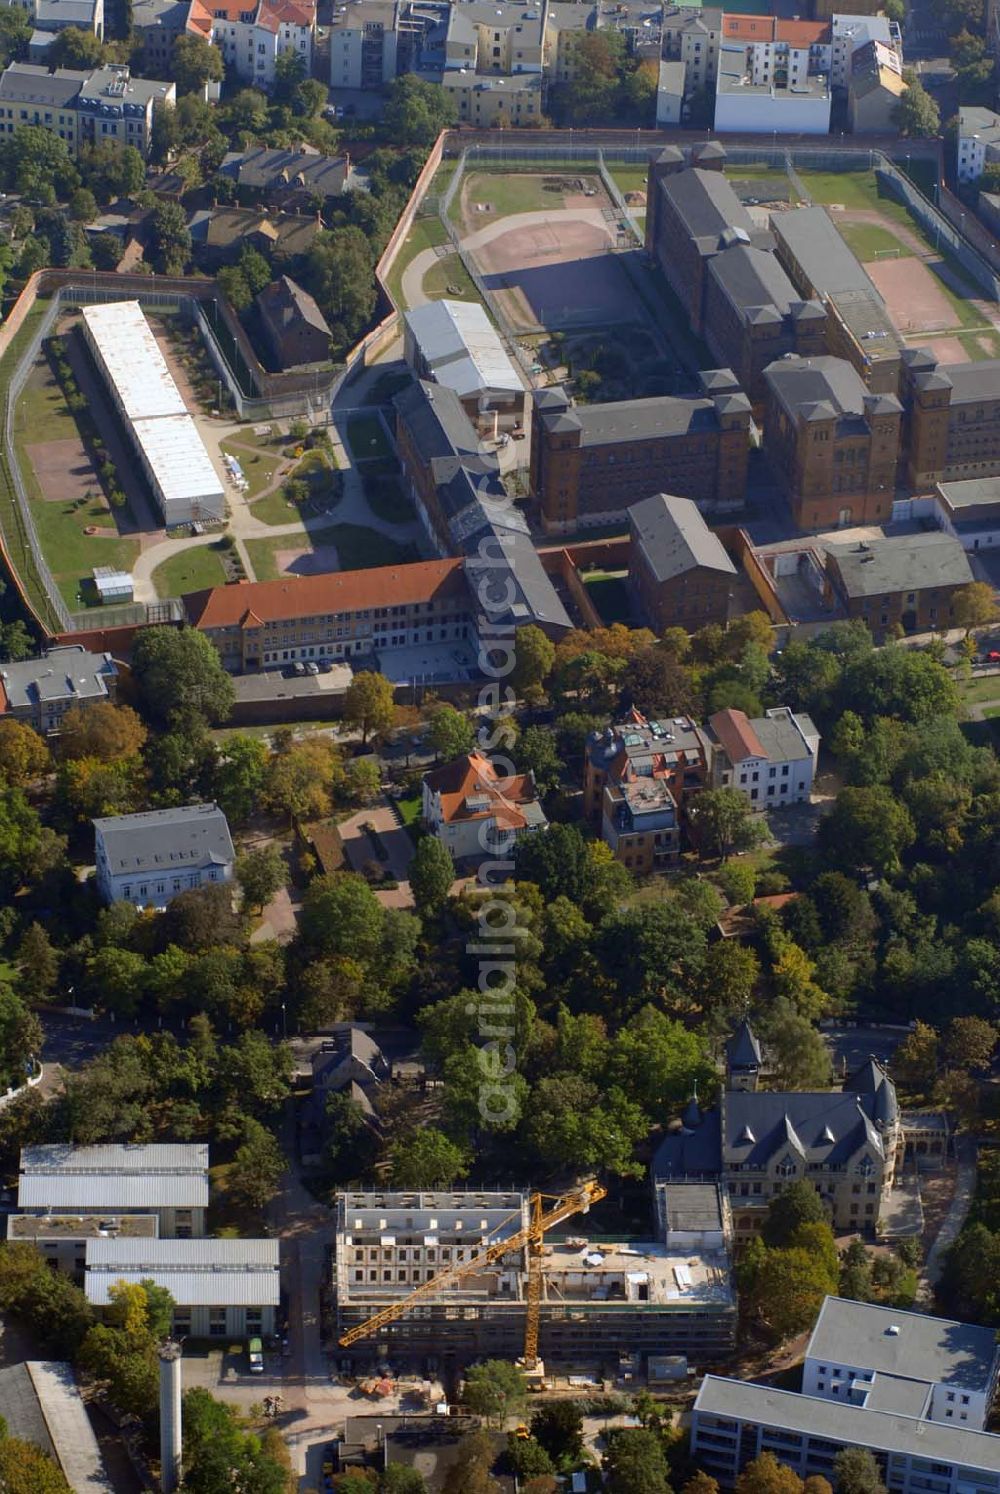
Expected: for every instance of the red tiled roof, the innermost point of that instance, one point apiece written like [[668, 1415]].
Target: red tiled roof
[[771, 28], [749, 28], [803, 33], [737, 736], [285, 13], [475, 775], [254, 602]]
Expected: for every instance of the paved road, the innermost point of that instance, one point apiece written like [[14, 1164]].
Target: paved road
[[965, 1187]]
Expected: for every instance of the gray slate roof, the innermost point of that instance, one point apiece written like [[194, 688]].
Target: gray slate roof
[[851, 1426], [743, 1048], [958, 1355], [823, 388], [283, 304], [675, 539], [820, 251], [61, 674], [634, 419], [905, 562], [274, 170], [32, 83], [753, 280], [158, 840], [708, 206]]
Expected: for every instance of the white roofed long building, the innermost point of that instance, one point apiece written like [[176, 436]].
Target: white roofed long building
[[222, 1288], [455, 344], [170, 450], [169, 1180]]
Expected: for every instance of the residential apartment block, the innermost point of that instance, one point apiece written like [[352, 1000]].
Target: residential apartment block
[[159, 23], [253, 34], [907, 581], [952, 427], [492, 103], [598, 1300], [773, 75], [875, 88], [477, 811], [221, 1288], [978, 141], [168, 1181], [847, 1144], [83, 108], [679, 572], [638, 777], [151, 857], [833, 443], [732, 1423], [40, 691], [770, 758], [862, 1354], [590, 463], [374, 41], [821, 266]]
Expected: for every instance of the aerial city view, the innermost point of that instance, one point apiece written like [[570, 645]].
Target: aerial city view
[[499, 747]]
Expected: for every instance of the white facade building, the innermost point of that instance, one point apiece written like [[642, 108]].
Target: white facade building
[[252, 37], [850, 33], [222, 1288], [475, 811], [978, 141], [749, 99], [149, 858], [172, 455], [169, 1180], [771, 758], [862, 1355]]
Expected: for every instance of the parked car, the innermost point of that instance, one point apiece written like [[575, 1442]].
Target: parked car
[[300, 668], [255, 1353], [312, 667]]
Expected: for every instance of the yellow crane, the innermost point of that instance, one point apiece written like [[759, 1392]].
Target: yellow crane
[[576, 1201]]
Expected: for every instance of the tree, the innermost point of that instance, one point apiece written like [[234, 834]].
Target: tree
[[536, 752], [369, 702], [416, 112], [800, 1055], [15, 34], [194, 63], [795, 1205], [973, 606], [257, 1166], [570, 1122], [494, 1390], [16, 643], [37, 164], [342, 916], [103, 731], [723, 822], [339, 274], [534, 656], [855, 1471], [20, 1038], [426, 1160], [74, 47], [363, 779], [970, 1042], [765, 1475], [25, 1469], [915, 1061], [635, 1460], [238, 777], [432, 872], [180, 676], [916, 113], [784, 1289], [170, 242], [260, 874], [451, 733], [867, 829], [558, 1426], [701, 1483], [655, 684], [301, 782], [219, 1453], [23, 754], [83, 205], [39, 963]]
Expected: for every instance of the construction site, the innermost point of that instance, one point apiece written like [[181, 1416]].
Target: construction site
[[433, 1281]]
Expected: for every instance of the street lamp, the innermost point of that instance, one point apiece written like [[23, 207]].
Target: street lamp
[[284, 1023]]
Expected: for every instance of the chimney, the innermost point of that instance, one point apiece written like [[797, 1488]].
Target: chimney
[[170, 1416]]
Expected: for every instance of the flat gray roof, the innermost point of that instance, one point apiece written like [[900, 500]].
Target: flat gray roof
[[160, 840], [972, 492], [675, 539], [851, 1426], [692, 1206], [905, 562], [198, 1273], [112, 1178], [899, 1394], [866, 1336], [61, 674]]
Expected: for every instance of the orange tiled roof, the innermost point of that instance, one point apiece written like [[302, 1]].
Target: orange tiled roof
[[749, 28], [338, 591], [199, 18], [803, 33], [468, 777], [737, 736]]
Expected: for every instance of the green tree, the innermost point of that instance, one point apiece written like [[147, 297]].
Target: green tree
[[37, 164], [723, 822], [855, 1471], [534, 656], [800, 1056], [16, 643], [25, 1469], [221, 1453], [180, 677], [342, 916], [915, 1061], [260, 874], [369, 703], [969, 1042], [256, 1167], [635, 1459], [765, 1475], [868, 829], [451, 733], [494, 1389], [20, 1038], [432, 872], [794, 1206], [916, 113], [571, 1123], [15, 34], [558, 1426], [363, 779], [416, 112], [426, 1160], [39, 964], [238, 776], [74, 47], [301, 782], [784, 1289], [658, 1061], [339, 274], [194, 63], [536, 752], [83, 205]]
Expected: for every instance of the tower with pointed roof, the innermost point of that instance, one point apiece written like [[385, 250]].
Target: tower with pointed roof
[[743, 1059]]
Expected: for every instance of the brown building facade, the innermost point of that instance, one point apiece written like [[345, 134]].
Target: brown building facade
[[638, 775], [952, 429], [907, 581], [589, 463], [679, 572], [833, 444]]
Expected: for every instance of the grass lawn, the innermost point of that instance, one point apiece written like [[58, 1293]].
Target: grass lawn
[[259, 463], [978, 345], [516, 192], [409, 812], [275, 509], [609, 595], [358, 549], [628, 178], [868, 241], [986, 687], [849, 189], [194, 569], [449, 277], [991, 711], [426, 233], [367, 438]]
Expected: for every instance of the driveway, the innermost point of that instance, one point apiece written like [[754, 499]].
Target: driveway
[[965, 1187], [359, 848]]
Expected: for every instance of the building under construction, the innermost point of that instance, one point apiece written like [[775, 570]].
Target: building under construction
[[598, 1299]]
